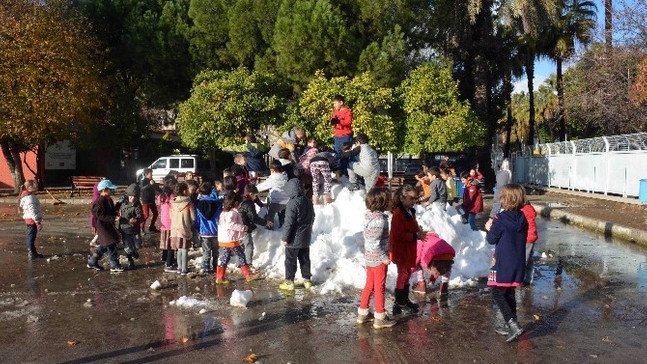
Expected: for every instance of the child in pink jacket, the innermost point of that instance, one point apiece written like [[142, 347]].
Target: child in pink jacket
[[436, 256], [168, 253], [231, 230]]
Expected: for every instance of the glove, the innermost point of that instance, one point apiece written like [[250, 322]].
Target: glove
[[334, 121]]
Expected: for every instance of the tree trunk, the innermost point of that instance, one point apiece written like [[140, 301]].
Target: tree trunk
[[509, 121], [608, 24], [530, 73], [12, 157], [560, 100]]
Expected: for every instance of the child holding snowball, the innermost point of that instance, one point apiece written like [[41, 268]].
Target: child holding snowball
[[376, 253]]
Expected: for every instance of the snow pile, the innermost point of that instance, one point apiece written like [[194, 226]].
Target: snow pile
[[240, 298], [336, 253]]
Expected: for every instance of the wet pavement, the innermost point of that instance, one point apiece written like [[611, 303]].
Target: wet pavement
[[587, 304]]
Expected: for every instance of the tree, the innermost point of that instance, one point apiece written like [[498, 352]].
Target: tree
[[372, 107], [251, 29], [50, 77], [436, 119], [574, 22], [386, 61], [209, 33], [312, 35], [225, 105]]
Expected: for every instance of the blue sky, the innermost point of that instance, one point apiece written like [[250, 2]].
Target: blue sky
[[545, 67]]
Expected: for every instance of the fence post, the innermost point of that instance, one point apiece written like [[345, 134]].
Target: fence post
[[608, 157], [549, 166], [573, 174]]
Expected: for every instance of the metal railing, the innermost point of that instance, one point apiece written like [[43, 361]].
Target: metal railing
[[609, 164]]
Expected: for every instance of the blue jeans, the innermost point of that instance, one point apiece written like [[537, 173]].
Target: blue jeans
[[471, 218], [342, 163], [32, 230], [101, 250]]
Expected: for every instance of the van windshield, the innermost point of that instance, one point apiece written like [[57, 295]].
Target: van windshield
[[160, 163]]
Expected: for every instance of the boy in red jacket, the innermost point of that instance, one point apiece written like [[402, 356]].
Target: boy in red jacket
[[472, 200]]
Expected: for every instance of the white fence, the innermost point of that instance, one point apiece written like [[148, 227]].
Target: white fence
[[610, 164]]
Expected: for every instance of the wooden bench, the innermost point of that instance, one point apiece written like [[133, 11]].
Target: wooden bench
[[83, 183]]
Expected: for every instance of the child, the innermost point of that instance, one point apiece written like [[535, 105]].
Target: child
[[277, 197], [164, 200], [130, 217], [508, 232], [342, 121], [193, 196], [33, 216], [231, 231], [285, 157], [320, 167], [376, 253], [207, 211], [530, 214], [93, 222], [438, 189], [297, 233], [229, 184], [402, 244], [148, 191], [309, 153], [472, 201], [182, 224], [424, 182], [367, 165], [250, 218], [436, 256], [104, 211], [446, 175], [242, 177]]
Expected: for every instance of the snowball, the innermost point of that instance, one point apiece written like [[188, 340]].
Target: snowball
[[240, 298]]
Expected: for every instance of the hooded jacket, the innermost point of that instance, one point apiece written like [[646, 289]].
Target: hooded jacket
[[127, 211], [103, 209], [247, 211], [472, 198], [403, 236], [508, 234], [530, 214], [275, 183], [182, 217], [434, 248], [299, 216], [207, 212], [287, 140], [231, 229]]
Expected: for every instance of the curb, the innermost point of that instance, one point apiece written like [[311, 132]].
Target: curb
[[607, 228]]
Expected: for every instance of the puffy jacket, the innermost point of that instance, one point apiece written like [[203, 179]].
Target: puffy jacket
[[182, 217], [128, 211], [165, 211], [530, 214], [367, 156], [299, 216], [472, 199], [508, 233], [231, 229], [247, 211], [287, 140], [403, 236], [253, 153], [207, 214], [344, 127], [31, 207], [275, 183], [103, 209], [433, 248]]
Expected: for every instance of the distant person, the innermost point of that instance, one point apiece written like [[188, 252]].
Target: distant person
[[106, 215], [531, 216], [33, 216], [288, 140], [503, 177], [277, 198], [285, 157], [367, 164], [309, 152], [253, 153], [130, 216], [250, 218], [424, 183], [472, 201], [164, 199], [149, 189], [321, 167], [207, 211], [402, 244], [435, 256], [297, 234], [508, 232], [450, 185], [182, 225], [438, 190], [376, 254], [342, 122], [444, 160], [231, 230], [93, 221]]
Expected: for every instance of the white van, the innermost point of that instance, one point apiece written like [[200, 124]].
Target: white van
[[163, 165]]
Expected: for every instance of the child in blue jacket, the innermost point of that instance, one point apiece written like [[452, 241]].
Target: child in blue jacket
[[208, 208]]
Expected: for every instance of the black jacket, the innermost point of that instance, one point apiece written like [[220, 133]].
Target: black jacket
[[148, 191], [247, 211], [127, 211], [299, 216]]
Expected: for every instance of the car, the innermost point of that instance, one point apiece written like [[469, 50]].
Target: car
[[181, 163]]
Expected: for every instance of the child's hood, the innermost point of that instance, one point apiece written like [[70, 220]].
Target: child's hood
[[180, 202], [293, 188], [514, 220]]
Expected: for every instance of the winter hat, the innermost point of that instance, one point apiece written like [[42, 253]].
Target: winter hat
[[132, 190], [106, 183]]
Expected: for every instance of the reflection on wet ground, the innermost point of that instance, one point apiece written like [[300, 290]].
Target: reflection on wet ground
[[584, 305]]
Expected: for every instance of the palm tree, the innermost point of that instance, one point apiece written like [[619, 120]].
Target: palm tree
[[574, 23]]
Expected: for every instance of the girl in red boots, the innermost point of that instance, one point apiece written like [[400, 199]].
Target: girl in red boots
[[231, 230], [402, 240]]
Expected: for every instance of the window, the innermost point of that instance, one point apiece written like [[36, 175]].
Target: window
[[160, 163], [187, 163], [174, 163]]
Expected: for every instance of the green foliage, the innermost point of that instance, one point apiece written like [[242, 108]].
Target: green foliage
[[225, 105], [251, 27], [386, 61], [210, 32], [312, 35], [436, 119], [371, 105]]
